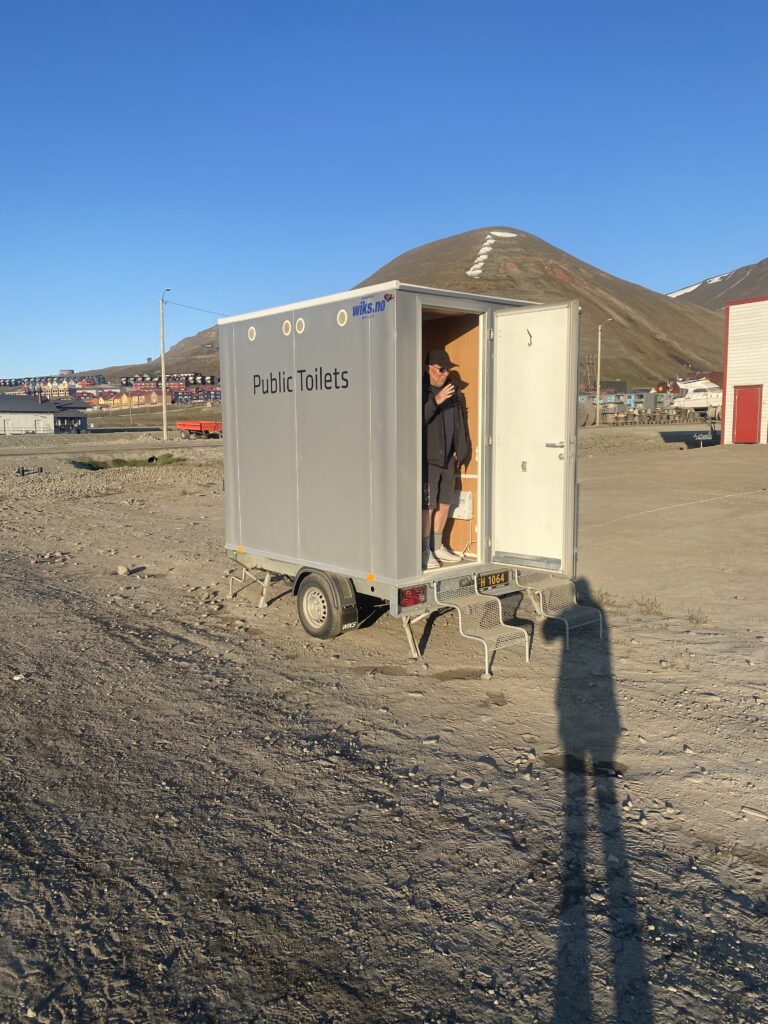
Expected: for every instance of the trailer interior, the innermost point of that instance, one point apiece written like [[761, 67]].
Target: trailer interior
[[459, 334]]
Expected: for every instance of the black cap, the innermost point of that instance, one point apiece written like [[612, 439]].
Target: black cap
[[439, 357]]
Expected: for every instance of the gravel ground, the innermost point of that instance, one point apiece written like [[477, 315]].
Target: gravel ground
[[207, 816]]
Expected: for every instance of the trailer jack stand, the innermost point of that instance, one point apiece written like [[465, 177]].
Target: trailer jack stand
[[241, 580], [407, 624]]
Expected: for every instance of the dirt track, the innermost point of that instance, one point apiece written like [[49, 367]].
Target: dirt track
[[207, 816]]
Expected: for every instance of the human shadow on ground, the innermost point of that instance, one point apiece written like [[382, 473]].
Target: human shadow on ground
[[596, 897]]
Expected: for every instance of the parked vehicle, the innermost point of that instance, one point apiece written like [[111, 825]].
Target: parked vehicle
[[199, 428], [702, 397]]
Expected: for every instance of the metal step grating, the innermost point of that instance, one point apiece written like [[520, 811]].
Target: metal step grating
[[480, 618], [554, 597]]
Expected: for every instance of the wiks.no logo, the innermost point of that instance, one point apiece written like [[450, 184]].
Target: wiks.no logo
[[367, 307]]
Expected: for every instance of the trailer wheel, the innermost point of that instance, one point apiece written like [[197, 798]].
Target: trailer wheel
[[185, 434], [317, 607]]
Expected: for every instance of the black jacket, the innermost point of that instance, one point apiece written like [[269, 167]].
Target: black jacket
[[433, 440]]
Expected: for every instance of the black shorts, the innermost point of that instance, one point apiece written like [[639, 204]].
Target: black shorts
[[439, 485]]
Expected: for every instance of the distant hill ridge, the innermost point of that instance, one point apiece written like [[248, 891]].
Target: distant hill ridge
[[749, 282], [652, 336], [198, 353]]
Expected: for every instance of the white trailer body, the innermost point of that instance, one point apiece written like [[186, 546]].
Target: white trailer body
[[745, 384], [322, 413]]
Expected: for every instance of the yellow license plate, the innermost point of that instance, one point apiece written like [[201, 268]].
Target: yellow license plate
[[487, 580]]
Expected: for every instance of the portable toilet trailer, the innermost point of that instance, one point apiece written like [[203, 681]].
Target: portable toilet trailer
[[323, 419]]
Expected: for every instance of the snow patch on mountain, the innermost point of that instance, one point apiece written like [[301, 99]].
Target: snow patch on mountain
[[693, 287], [684, 291], [485, 250]]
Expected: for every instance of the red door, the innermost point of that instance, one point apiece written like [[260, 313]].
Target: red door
[[747, 405]]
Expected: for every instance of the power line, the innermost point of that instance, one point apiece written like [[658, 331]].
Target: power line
[[215, 312]]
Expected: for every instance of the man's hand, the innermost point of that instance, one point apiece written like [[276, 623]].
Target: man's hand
[[444, 393]]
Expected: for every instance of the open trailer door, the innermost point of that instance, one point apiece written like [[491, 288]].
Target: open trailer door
[[533, 503]]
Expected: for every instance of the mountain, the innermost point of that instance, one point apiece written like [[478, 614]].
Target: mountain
[[651, 337], [750, 282], [197, 354]]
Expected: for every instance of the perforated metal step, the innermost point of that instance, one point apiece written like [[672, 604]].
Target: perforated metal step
[[480, 617], [554, 597]]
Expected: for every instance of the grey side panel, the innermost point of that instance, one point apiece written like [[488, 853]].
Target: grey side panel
[[263, 438], [408, 473], [333, 419]]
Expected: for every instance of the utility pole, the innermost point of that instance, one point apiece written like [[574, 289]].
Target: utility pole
[[162, 363], [599, 353]]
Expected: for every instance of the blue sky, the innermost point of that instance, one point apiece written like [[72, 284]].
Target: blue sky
[[247, 154]]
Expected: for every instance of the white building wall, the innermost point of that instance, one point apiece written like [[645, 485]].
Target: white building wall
[[26, 423], [747, 359]]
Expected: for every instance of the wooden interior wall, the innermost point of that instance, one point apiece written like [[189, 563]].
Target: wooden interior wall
[[460, 337]]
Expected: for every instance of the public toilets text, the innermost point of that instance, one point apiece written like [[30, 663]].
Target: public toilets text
[[282, 382]]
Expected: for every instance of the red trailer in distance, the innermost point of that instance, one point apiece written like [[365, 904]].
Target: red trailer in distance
[[199, 428]]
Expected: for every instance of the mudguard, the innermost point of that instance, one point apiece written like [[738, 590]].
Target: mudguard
[[345, 597]]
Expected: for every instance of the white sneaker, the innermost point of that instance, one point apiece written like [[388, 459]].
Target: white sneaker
[[431, 562], [446, 555]]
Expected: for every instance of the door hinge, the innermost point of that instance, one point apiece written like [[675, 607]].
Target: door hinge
[[490, 333], [489, 440]]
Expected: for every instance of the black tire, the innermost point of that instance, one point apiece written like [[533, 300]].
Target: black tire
[[316, 604], [185, 434]]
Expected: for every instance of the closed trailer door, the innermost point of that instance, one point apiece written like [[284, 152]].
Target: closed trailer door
[[747, 406], [535, 359]]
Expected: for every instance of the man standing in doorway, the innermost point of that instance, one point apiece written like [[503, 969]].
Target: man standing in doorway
[[446, 446]]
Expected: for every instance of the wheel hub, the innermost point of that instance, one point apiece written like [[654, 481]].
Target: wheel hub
[[316, 607]]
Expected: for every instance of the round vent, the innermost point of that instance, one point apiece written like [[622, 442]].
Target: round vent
[[286, 327], [300, 325], [251, 334], [341, 318]]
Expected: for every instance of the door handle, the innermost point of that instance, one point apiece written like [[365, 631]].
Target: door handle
[[555, 444]]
